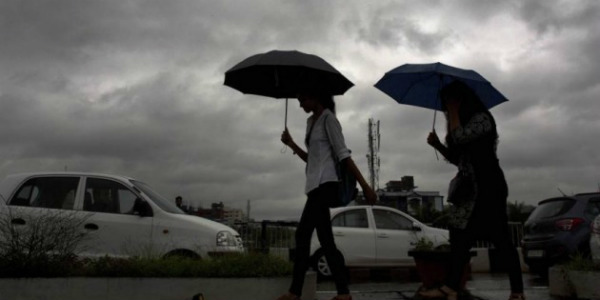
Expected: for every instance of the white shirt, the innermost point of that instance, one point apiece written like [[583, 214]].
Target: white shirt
[[320, 165]]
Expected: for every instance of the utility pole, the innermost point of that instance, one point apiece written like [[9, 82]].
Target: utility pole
[[248, 211], [373, 156]]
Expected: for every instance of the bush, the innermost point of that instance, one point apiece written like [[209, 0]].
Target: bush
[[46, 246], [239, 265], [581, 262]]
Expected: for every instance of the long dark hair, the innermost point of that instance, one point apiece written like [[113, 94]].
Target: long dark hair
[[327, 102], [470, 105]]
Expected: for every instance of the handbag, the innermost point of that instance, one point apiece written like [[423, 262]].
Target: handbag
[[461, 188]]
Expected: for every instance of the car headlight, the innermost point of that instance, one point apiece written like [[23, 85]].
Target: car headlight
[[225, 238]]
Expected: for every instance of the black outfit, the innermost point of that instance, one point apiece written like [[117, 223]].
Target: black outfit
[[482, 213], [316, 216]]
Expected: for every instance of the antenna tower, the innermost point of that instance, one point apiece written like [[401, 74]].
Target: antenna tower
[[373, 156]]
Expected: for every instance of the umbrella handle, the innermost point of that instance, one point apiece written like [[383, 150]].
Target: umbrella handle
[[434, 116], [286, 109], [285, 124]]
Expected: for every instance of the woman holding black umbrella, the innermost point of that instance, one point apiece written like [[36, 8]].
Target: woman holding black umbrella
[[324, 142], [478, 192]]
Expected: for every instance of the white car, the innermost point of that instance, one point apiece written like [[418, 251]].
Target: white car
[[595, 240], [374, 236], [121, 216]]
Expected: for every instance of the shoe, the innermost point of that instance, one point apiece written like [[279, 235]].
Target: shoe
[[443, 292], [288, 296], [516, 296], [342, 297]]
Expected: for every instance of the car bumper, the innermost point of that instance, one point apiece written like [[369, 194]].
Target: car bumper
[[545, 254]]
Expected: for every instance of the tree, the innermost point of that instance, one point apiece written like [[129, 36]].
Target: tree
[[517, 212]]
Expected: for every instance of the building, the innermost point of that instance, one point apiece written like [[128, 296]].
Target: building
[[218, 212], [402, 195], [231, 215]]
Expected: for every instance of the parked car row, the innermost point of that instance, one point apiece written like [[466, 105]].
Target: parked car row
[[122, 216], [559, 228]]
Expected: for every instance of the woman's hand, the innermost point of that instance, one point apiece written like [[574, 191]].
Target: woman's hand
[[286, 138], [370, 196], [433, 140]]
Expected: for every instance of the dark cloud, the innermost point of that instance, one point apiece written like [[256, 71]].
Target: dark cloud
[[136, 88]]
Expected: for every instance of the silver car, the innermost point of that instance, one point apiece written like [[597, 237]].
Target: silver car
[[374, 236], [120, 215]]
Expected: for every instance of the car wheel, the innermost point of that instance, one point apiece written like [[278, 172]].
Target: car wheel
[[182, 254], [320, 265]]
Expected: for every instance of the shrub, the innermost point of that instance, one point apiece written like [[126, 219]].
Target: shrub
[[239, 265], [46, 246]]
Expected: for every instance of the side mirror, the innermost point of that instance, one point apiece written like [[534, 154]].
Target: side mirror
[[142, 208], [416, 227]]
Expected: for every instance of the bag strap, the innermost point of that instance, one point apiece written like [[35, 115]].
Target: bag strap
[[329, 138]]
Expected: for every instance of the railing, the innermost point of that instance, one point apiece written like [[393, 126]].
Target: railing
[[265, 235], [515, 232], [269, 236]]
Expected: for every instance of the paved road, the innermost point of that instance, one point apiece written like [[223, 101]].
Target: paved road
[[483, 286]]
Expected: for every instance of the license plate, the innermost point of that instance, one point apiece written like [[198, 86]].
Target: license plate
[[535, 253]]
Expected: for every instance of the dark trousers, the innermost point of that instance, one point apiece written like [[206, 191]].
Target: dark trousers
[[316, 216], [493, 229]]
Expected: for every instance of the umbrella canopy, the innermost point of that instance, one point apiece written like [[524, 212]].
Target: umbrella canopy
[[283, 74], [419, 84]]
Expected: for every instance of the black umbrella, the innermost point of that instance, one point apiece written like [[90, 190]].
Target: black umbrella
[[284, 74]]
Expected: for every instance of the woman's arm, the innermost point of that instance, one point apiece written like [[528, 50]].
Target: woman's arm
[[370, 195], [434, 141], [286, 138]]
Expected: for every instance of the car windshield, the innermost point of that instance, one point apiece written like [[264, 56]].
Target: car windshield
[[158, 199], [552, 208]]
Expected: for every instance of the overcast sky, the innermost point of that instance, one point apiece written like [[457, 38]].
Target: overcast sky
[[136, 88]]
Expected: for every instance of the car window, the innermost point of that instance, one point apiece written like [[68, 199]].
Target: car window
[[356, 218], [158, 199], [385, 219], [103, 195], [48, 192], [553, 208], [592, 209]]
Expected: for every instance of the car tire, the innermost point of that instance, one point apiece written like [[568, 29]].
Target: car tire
[[182, 254], [320, 265]]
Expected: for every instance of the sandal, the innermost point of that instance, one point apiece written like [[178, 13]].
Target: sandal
[[288, 296], [443, 292], [516, 296]]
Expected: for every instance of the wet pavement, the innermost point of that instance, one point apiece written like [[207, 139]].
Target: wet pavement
[[482, 286]]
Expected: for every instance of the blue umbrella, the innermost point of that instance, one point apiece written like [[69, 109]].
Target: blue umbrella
[[419, 84]]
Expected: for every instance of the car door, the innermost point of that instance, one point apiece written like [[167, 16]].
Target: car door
[[113, 228], [354, 237], [394, 235], [41, 213]]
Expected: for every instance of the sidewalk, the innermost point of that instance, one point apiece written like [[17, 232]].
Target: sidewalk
[[483, 286]]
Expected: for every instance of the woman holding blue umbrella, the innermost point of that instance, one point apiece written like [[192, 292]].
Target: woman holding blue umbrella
[[479, 191]]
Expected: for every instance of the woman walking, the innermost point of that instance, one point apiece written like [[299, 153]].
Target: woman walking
[[478, 193], [324, 143]]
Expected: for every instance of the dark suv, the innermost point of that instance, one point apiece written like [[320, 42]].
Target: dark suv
[[558, 228]]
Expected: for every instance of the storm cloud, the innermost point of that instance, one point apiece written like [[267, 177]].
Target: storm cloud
[[136, 88]]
